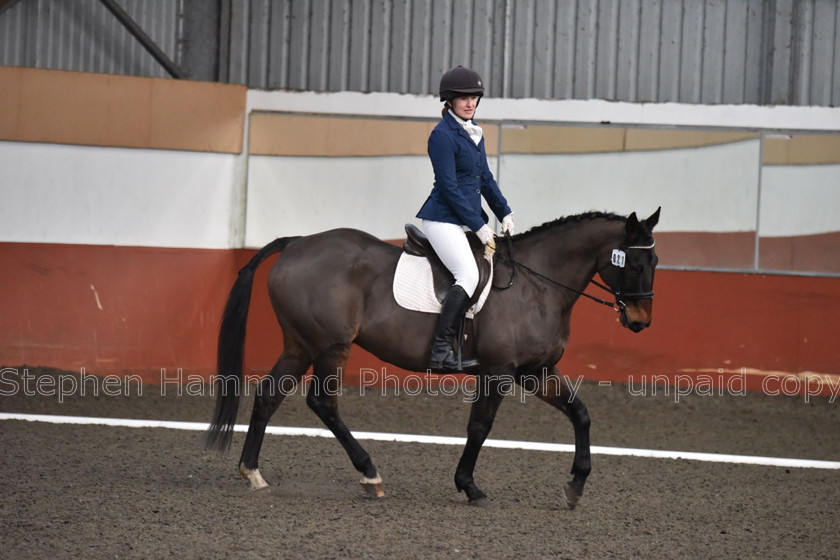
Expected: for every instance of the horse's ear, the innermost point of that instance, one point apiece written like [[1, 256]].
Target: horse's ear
[[632, 224], [653, 219]]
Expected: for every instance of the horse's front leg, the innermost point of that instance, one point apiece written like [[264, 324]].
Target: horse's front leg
[[555, 390], [488, 397]]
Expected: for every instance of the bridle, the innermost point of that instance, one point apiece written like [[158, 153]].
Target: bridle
[[617, 259]]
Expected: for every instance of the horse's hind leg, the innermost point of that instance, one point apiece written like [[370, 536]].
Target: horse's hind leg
[[283, 380], [554, 389], [322, 398]]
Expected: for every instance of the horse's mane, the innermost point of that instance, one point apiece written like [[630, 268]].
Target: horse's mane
[[574, 219]]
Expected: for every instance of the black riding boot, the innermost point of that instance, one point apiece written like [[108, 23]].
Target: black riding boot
[[451, 314]]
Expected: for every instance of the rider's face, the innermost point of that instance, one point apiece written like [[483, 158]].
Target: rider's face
[[465, 106]]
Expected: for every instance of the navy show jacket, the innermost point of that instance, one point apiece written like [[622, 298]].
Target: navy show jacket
[[462, 177]]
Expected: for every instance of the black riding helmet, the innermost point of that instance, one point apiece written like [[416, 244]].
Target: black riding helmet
[[460, 81]]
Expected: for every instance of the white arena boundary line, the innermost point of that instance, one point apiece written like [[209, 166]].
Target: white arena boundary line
[[437, 440]]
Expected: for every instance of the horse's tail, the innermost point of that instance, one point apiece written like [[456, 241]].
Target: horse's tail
[[230, 350]]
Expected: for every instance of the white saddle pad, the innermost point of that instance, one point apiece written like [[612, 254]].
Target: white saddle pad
[[414, 289]]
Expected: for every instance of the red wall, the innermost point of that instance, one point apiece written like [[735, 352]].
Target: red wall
[[113, 310]]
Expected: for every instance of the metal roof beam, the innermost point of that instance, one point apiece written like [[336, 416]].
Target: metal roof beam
[[6, 4], [144, 39]]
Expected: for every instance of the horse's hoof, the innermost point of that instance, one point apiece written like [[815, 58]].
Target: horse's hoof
[[254, 477], [373, 487], [482, 502], [570, 496]]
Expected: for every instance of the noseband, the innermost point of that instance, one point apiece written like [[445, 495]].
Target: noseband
[[617, 259]]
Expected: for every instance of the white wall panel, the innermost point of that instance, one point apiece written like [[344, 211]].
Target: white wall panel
[[304, 195], [546, 111], [111, 196], [799, 200], [700, 189]]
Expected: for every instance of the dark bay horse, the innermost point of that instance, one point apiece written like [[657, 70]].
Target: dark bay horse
[[333, 289]]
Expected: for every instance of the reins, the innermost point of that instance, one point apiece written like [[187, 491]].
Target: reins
[[618, 305]]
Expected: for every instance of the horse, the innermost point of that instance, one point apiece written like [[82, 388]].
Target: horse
[[333, 289]]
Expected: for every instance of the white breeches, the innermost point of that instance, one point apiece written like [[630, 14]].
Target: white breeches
[[453, 249]]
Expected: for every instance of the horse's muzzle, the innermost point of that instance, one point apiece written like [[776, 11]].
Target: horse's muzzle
[[636, 315]]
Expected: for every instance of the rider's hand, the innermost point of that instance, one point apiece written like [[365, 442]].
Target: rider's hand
[[507, 224], [486, 235]]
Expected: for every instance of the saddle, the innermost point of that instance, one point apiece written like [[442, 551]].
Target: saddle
[[417, 244]]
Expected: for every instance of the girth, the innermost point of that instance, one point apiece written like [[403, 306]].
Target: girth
[[417, 244]]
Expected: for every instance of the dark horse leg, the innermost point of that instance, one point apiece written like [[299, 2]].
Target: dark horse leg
[[322, 398], [554, 389], [489, 395], [281, 381]]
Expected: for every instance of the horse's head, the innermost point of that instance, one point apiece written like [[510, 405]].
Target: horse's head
[[629, 272]]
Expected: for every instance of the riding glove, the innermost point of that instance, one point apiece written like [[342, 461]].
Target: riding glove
[[507, 224], [486, 234]]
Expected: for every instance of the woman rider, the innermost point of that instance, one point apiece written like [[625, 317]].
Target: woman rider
[[462, 177]]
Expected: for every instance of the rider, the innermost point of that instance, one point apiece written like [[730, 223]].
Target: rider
[[462, 176]]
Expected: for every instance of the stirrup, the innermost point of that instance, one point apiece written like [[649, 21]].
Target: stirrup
[[450, 364]]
